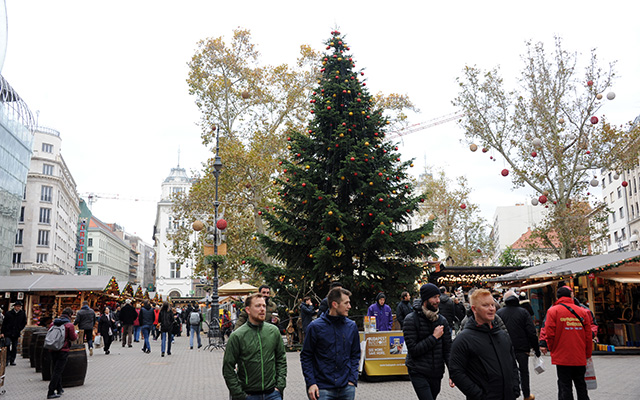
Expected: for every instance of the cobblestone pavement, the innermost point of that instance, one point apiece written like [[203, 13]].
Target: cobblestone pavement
[[127, 373]]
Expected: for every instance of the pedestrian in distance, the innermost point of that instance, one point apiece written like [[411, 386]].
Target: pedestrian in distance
[[568, 337], [59, 358], [330, 354], [427, 336], [226, 325], [127, 316], [195, 318], [187, 313], [382, 312], [483, 364], [136, 325], [155, 332], [146, 318], [255, 363], [14, 322], [324, 304], [403, 308], [447, 307], [105, 329], [86, 321], [117, 330], [523, 336], [166, 320], [272, 309], [307, 312]]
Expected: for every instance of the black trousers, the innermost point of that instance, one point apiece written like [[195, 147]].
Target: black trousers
[[12, 343], [58, 362], [426, 388], [523, 367], [569, 376]]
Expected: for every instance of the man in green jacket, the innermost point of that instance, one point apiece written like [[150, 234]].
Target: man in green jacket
[[257, 350]]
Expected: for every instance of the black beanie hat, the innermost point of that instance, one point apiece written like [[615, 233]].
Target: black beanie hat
[[564, 291], [427, 291]]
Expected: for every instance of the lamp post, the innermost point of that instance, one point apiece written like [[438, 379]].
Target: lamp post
[[217, 168]]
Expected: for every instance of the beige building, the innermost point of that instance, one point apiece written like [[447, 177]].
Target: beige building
[[47, 227]]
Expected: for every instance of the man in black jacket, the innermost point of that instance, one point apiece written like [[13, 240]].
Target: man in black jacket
[[14, 323], [404, 308], [146, 318], [482, 363], [446, 307], [523, 336], [427, 336], [86, 321], [128, 315]]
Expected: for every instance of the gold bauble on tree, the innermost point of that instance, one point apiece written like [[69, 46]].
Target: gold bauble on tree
[[197, 225], [245, 95]]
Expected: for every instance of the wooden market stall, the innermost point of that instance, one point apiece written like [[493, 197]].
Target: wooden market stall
[[608, 283]]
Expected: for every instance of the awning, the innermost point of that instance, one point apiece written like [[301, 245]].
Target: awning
[[537, 285], [235, 287], [50, 283]]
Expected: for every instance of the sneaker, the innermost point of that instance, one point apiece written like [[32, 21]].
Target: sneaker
[[90, 351], [199, 345], [148, 351], [53, 396], [530, 397], [191, 348], [107, 352], [162, 355], [168, 353], [130, 345]]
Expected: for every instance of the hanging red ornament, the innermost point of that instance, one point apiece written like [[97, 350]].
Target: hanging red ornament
[[382, 232], [589, 83], [505, 172], [259, 212], [594, 120], [352, 158], [380, 199], [533, 154], [463, 206], [484, 149], [542, 199], [221, 224], [625, 183], [304, 184], [479, 251]]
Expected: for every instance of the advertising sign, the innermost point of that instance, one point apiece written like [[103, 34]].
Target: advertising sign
[[384, 353]]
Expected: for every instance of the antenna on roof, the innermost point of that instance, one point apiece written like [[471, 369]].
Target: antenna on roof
[[178, 156]]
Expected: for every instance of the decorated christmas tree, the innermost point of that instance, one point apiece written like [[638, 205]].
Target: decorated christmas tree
[[346, 196]]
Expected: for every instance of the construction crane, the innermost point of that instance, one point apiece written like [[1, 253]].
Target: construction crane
[[93, 197], [424, 125]]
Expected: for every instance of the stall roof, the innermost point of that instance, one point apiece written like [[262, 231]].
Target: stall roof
[[569, 266], [43, 283]]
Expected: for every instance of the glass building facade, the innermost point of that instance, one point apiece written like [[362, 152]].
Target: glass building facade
[[16, 140]]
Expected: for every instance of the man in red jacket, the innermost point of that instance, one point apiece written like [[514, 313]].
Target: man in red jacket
[[568, 331], [59, 358]]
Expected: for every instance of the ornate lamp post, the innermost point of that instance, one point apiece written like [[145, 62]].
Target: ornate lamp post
[[217, 168]]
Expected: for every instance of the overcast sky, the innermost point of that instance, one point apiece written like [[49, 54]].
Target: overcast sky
[[111, 76]]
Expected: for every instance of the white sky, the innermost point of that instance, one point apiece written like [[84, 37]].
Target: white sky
[[111, 76]]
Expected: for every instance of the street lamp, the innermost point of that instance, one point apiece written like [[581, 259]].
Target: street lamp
[[217, 168]]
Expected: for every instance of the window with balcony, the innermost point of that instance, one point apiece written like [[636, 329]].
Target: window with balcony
[[19, 234], [46, 193], [17, 258], [47, 148], [47, 169], [41, 258], [45, 215], [43, 238]]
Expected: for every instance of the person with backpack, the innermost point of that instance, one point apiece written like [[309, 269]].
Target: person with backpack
[[105, 329], [195, 317], [59, 357]]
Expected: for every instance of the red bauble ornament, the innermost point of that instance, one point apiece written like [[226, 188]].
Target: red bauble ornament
[[625, 183], [463, 206], [381, 199], [542, 199], [479, 251], [382, 232], [244, 262], [533, 154], [328, 239], [379, 173], [353, 158], [589, 83], [328, 107], [594, 120], [505, 172], [587, 152], [221, 224], [304, 184], [259, 212], [484, 149]]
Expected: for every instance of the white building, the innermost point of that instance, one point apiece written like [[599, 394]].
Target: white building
[[47, 229], [172, 278], [107, 254], [511, 222]]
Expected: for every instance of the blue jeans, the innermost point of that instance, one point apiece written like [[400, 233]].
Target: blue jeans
[[163, 345], [88, 337], [136, 333], [195, 331], [346, 393], [275, 395], [146, 330]]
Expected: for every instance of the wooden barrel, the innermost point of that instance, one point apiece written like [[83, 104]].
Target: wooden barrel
[[76, 369], [32, 347], [39, 339], [46, 365], [26, 339]]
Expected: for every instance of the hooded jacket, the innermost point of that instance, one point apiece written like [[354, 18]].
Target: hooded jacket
[[483, 364], [520, 326], [260, 357], [426, 355], [146, 316], [568, 339], [165, 318], [85, 318], [383, 314], [69, 331], [447, 308], [330, 355]]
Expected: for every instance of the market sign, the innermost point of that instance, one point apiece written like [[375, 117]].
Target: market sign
[[82, 232]]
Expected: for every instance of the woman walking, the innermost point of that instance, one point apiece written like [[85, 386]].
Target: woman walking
[[106, 326], [166, 325]]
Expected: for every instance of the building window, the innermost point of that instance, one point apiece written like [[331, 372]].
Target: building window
[[43, 238], [621, 210], [47, 169], [17, 258], [609, 240], [633, 213], [45, 215], [89, 257], [615, 236], [46, 193], [41, 258], [619, 193], [610, 177], [21, 219], [175, 270], [623, 234], [177, 190], [611, 196], [90, 242], [603, 185], [47, 148], [19, 234], [613, 216]]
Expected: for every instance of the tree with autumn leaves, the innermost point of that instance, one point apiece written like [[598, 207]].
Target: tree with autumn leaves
[[552, 135], [345, 197]]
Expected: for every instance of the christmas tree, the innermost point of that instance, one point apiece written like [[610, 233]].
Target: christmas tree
[[346, 196]]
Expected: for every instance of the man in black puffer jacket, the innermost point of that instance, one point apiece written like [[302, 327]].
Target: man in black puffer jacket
[[427, 336], [482, 363], [523, 336], [446, 307]]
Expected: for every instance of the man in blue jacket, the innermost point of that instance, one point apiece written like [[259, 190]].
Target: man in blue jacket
[[382, 312], [331, 352]]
